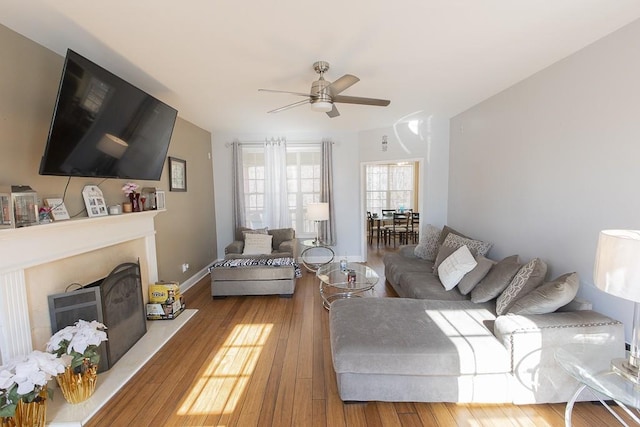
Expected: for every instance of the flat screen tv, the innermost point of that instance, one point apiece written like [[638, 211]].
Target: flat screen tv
[[104, 127]]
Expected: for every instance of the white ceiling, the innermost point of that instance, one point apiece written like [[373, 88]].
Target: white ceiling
[[207, 58]]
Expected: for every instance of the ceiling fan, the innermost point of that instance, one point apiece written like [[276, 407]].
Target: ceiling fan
[[325, 94]]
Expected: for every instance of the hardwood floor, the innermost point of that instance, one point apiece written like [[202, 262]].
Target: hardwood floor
[[266, 361]]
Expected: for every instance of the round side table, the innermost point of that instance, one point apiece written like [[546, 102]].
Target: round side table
[[315, 255]]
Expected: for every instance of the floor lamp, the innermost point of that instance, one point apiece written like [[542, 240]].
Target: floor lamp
[[617, 272], [317, 212]]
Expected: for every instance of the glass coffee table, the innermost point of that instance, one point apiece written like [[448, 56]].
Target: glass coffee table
[[336, 283]]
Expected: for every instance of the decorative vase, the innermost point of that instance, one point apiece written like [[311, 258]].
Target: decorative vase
[[135, 201], [78, 387], [32, 414]]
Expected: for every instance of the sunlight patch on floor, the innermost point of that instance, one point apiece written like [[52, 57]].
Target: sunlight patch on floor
[[226, 377]]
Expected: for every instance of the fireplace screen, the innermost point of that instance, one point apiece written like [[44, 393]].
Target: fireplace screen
[[115, 301]]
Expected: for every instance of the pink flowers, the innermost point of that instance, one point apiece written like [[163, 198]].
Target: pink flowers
[[130, 188]]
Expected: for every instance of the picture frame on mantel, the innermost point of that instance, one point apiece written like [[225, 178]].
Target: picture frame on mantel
[[177, 174]]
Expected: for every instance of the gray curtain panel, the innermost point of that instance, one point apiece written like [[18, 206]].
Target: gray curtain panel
[[327, 229]]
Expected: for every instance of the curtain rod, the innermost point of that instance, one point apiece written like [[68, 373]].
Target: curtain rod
[[289, 142]]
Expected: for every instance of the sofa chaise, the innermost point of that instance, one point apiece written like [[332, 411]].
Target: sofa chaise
[[439, 345]]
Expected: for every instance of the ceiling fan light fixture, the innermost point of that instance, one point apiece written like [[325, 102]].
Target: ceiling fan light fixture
[[322, 106]]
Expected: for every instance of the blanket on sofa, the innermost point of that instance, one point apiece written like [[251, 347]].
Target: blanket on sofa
[[260, 262]]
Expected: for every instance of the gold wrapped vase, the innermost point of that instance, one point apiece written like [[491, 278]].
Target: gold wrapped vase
[[78, 386], [31, 414]]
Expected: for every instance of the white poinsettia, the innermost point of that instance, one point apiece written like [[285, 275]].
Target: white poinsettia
[[25, 378], [79, 341]]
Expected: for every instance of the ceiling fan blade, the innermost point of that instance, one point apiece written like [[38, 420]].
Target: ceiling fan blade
[[286, 107], [333, 112], [342, 83], [362, 101], [283, 91]]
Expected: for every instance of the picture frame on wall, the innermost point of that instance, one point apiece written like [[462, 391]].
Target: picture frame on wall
[[94, 201], [177, 174]]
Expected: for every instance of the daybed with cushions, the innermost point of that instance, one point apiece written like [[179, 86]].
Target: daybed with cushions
[[250, 243], [258, 262], [489, 337]]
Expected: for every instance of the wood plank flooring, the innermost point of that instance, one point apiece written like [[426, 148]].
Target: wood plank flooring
[[266, 361]]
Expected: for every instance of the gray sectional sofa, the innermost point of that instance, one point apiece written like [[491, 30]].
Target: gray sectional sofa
[[437, 345]]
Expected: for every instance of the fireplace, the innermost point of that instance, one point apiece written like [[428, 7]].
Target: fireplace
[[117, 301]]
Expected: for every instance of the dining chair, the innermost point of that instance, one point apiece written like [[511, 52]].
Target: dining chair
[[414, 227], [397, 229]]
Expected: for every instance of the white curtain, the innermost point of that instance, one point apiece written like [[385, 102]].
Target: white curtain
[[276, 203]]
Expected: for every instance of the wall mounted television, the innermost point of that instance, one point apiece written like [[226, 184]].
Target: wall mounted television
[[105, 127]]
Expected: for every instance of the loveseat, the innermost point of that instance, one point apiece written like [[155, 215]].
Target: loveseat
[[488, 346], [280, 243]]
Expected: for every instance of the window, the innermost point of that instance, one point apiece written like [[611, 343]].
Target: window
[[390, 186], [303, 185]]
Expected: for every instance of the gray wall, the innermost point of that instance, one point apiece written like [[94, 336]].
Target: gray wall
[[542, 167], [29, 77]]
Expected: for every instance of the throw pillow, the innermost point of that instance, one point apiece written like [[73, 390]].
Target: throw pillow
[[455, 267], [427, 247], [472, 278], [496, 280], [246, 231], [548, 297], [257, 244], [529, 277], [445, 232], [477, 247], [281, 235]]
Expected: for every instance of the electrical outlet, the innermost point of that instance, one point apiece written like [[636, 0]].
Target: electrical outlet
[[185, 267]]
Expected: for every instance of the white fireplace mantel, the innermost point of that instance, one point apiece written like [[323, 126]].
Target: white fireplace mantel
[[28, 247]]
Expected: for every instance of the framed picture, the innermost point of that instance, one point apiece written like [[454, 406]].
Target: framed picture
[[94, 201], [58, 210], [177, 174]]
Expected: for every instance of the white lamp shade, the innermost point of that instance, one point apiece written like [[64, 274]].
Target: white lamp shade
[[322, 106], [617, 267], [318, 211]]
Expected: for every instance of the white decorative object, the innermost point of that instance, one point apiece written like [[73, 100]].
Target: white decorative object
[[94, 201], [57, 208]]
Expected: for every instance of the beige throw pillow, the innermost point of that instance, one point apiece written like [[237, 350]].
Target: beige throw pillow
[[496, 280], [548, 297], [257, 244], [472, 278], [455, 267], [529, 277], [427, 248]]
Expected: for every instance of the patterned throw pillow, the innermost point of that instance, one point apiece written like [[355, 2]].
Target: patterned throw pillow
[[476, 247], [427, 248], [455, 267], [528, 278]]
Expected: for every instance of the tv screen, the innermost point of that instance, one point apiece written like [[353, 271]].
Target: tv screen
[[105, 127]]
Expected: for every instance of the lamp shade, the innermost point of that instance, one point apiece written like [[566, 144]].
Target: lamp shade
[[322, 106], [617, 266], [318, 211]]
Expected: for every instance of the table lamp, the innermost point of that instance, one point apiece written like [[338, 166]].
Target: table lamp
[[617, 272], [317, 212]]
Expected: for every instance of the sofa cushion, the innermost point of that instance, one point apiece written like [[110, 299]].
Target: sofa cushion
[[496, 280], [427, 247], [455, 267], [472, 278], [257, 244], [427, 286], [548, 297], [396, 263], [530, 276], [399, 336], [281, 235], [241, 231]]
